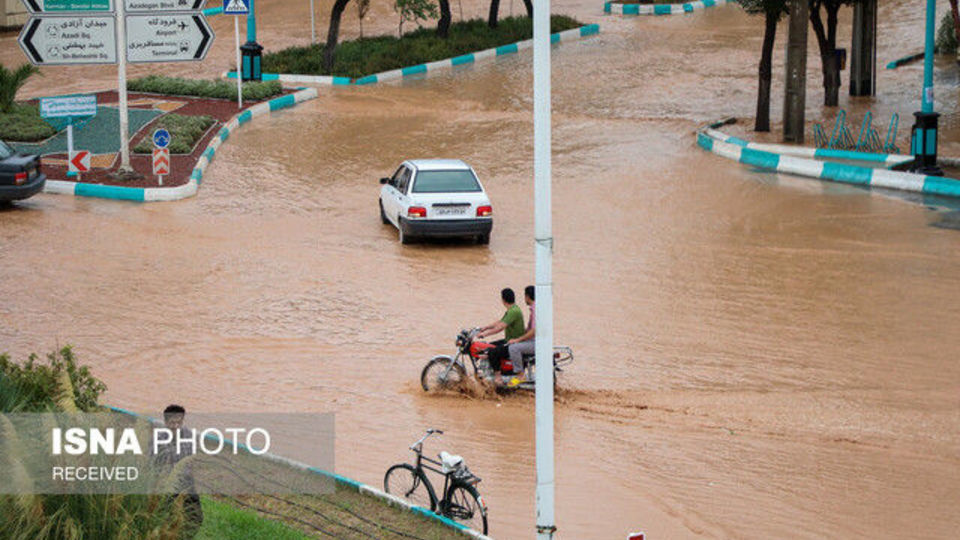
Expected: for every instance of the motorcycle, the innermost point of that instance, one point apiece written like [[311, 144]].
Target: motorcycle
[[449, 372]]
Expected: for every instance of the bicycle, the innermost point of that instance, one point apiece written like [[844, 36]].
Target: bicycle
[[460, 502]]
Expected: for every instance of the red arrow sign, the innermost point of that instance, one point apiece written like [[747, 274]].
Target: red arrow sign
[[80, 161], [161, 161]]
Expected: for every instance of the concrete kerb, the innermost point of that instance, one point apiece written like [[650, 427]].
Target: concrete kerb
[[718, 143], [661, 9], [345, 482], [430, 67], [196, 176]]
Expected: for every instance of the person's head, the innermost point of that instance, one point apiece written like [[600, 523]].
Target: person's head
[[173, 416], [508, 297], [529, 294]]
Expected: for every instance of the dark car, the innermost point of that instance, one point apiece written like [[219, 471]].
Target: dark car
[[20, 175]]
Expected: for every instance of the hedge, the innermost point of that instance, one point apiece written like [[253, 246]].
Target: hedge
[[367, 56], [185, 131], [24, 124], [175, 86]]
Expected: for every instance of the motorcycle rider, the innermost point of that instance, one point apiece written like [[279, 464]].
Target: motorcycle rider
[[511, 324], [524, 344]]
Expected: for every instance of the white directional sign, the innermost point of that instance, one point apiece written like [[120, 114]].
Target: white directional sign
[[153, 6], [59, 6], [66, 40], [168, 37]]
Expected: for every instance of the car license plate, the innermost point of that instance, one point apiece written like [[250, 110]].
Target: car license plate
[[451, 210]]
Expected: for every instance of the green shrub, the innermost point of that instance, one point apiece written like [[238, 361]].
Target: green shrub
[[39, 384], [367, 56], [946, 37], [185, 131], [219, 89], [24, 124]]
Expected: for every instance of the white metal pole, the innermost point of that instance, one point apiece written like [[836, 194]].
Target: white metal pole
[[543, 242], [122, 86], [313, 26], [236, 40], [69, 143]]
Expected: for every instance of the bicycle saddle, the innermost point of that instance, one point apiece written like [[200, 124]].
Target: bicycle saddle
[[450, 462]]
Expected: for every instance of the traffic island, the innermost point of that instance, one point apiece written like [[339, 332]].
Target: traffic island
[[820, 164], [206, 122], [631, 7], [416, 54]]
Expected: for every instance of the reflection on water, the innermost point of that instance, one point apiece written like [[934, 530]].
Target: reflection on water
[[758, 355]]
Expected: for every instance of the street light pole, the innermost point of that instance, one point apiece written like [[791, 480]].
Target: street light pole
[[543, 248], [924, 139]]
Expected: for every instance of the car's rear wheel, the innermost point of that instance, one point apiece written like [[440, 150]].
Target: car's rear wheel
[[404, 237], [383, 216]]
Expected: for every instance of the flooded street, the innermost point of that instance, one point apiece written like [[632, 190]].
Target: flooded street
[[757, 355]]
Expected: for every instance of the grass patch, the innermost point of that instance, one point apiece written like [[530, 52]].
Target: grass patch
[[223, 522], [175, 86], [185, 131], [24, 124], [382, 53]]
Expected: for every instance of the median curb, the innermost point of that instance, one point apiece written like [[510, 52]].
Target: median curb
[[708, 139], [392, 500], [430, 67], [660, 9], [157, 194]]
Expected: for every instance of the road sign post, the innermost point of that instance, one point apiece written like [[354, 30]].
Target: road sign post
[[161, 153], [125, 168], [237, 8], [71, 108]]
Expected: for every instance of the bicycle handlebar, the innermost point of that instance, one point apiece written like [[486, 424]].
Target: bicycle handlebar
[[418, 446]]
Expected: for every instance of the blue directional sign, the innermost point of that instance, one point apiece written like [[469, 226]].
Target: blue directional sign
[[236, 7], [161, 138]]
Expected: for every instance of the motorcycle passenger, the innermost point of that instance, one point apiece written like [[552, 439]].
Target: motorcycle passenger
[[511, 324], [524, 344]]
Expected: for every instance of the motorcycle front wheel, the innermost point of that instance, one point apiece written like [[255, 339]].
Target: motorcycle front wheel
[[442, 373]]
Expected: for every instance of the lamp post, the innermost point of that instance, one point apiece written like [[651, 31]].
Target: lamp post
[[543, 250], [924, 136], [251, 51]]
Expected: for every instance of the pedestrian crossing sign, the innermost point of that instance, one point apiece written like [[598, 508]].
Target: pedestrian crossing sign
[[236, 7]]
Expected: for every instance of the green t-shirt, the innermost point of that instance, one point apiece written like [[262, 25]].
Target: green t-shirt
[[513, 318]]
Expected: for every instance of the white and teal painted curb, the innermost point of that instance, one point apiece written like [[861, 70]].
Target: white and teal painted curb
[[430, 67], [660, 9], [189, 189], [888, 160], [343, 481], [825, 170]]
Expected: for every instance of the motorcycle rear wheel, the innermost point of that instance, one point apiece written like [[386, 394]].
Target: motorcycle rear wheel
[[439, 375]]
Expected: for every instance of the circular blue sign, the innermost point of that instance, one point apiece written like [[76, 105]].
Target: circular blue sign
[[161, 138]]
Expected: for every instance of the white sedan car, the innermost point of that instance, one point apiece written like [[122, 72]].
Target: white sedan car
[[436, 197]]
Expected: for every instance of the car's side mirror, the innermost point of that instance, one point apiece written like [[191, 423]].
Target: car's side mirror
[[384, 180]]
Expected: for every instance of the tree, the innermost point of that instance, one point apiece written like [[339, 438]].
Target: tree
[[333, 34], [443, 25], [414, 11], [772, 11], [11, 81], [495, 10], [362, 7], [827, 42]]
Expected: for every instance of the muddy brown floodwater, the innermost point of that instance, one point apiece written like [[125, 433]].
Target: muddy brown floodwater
[[757, 356]]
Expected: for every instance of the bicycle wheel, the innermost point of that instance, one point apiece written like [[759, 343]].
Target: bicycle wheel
[[464, 505], [438, 374], [410, 485]]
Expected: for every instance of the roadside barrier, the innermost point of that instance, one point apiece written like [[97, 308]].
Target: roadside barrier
[[430, 67], [392, 500], [765, 157], [660, 9], [905, 60], [189, 189]]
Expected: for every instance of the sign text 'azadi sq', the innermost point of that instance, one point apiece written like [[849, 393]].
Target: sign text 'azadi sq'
[[76, 32]]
